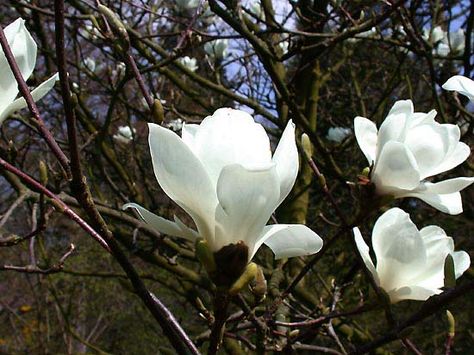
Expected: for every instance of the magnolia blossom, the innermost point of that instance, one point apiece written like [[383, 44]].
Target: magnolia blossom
[[189, 63], [124, 134], [434, 35], [187, 4], [410, 262], [89, 63], [338, 134], [24, 50], [445, 43], [217, 48], [222, 174], [255, 9], [284, 45], [460, 84], [175, 125], [410, 147]]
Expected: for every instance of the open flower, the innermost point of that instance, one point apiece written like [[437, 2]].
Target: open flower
[[410, 262], [217, 48], [189, 63], [460, 84], [338, 134], [124, 134], [24, 50], [409, 147], [222, 174]]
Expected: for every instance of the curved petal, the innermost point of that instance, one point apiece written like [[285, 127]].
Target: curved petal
[[23, 48], [446, 186], [286, 160], [188, 132], [462, 261], [416, 293], [364, 253], [247, 199], [395, 168], [398, 248], [231, 137], [458, 155], [289, 240], [37, 94], [394, 126], [163, 225], [183, 178], [429, 144], [366, 134], [446, 203], [460, 84]]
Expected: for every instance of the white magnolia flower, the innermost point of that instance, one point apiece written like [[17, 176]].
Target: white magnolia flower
[[409, 147], [189, 63], [410, 262], [217, 48], [89, 63], [284, 45], [222, 174], [24, 50], [460, 84], [338, 134], [175, 125], [255, 9], [119, 72], [124, 134], [187, 4], [435, 35], [456, 41]]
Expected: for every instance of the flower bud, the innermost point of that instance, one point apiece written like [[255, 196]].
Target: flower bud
[[307, 146], [117, 26], [451, 324]]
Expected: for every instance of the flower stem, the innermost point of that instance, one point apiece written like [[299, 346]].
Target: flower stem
[[221, 303]]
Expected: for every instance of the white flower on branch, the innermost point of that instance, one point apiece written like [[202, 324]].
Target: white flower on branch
[[124, 134], [222, 174], [338, 134], [189, 63], [24, 50], [410, 147], [461, 84], [409, 262], [187, 4], [217, 49]]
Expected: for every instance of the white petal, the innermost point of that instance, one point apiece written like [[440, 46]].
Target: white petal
[[398, 248], [163, 225], [364, 253], [24, 50], [231, 137], [416, 293], [460, 84], [286, 160], [446, 203], [458, 155], [393, 128], [289, 240], [446, 186], [37, 94], [183, 178], [462, 261], [247, 198], [366, 135], [395, 168], [430, 143], [188, 132]]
